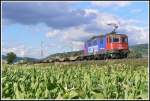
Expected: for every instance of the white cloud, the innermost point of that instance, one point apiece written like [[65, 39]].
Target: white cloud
[[89, 11], [103, 19], [75, 33], [137, 35], [131, 27], [52, 33], [77, 45], [136, 11], [75, 36], [131, 22], [19, 50], [111, 3], [22, 51], [71, 38]]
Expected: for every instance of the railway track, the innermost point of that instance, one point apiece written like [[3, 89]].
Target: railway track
[[89, 61], [129, 61]]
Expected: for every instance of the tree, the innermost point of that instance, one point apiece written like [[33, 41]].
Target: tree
[[10, 57]]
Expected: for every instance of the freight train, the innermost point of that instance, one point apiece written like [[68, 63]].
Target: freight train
[[111, 45]]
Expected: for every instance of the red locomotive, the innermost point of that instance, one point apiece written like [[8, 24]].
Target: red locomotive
[[111, 45]]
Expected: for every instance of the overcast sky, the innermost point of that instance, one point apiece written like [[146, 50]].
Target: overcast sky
[[64, 26]]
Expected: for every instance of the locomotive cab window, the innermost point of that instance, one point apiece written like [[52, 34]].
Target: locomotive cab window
[[124, 39], [115, 39]]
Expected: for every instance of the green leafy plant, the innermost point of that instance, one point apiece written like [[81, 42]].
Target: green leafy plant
[[120, 79]]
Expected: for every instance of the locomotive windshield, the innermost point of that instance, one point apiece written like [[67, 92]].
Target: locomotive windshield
[[124, 39], [119, 39], [115, 39]]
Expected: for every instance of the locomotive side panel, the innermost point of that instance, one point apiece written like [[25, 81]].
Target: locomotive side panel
[[102, 45], [108, 41], [93, 46]]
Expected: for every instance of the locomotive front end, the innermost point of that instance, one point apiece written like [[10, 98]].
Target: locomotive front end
[[117, 44]]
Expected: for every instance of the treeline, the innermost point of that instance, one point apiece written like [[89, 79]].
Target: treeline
[[134, 54], [138, 51], [66, 54]]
